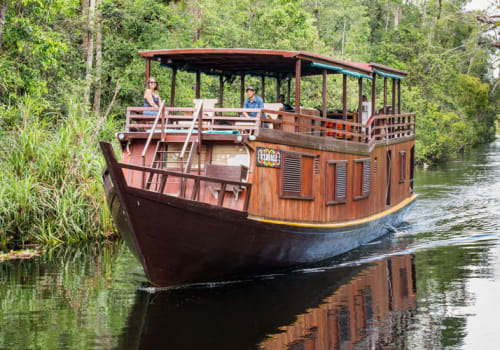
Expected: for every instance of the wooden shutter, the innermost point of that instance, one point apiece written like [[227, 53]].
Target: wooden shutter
[[336, 182], [341, 182], [291, 174], [362, 178], [366, 176], [402, 169], [297, 176]]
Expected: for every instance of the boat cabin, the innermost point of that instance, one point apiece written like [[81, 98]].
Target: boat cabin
[[287, 163]]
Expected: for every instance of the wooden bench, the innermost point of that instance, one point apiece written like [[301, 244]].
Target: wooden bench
[[226, 172]]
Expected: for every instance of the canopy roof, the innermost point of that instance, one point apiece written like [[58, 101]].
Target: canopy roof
[[262, 62]]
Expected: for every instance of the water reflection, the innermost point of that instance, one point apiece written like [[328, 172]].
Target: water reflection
[[70, 298], [336, 309]]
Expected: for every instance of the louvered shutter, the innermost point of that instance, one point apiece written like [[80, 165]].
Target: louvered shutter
[[366, 177], [402, 170], [336, 182], [291, 178], [340, 181]]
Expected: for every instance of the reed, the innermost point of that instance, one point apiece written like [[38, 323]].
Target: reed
[[50, 178]]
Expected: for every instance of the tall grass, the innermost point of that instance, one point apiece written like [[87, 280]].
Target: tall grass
[[50, 178]]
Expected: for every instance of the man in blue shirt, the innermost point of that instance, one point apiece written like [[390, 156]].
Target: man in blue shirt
[[252, 102]]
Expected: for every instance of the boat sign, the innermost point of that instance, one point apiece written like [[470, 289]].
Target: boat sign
[[268, 157]]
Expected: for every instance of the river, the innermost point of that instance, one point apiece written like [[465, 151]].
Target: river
[[432, 283]]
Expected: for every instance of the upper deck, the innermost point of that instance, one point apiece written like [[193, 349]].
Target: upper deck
[[356, 129]]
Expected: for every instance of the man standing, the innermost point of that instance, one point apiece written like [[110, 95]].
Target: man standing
[[252, 102]]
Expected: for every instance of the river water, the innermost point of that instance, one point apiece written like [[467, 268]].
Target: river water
[[433, 283]]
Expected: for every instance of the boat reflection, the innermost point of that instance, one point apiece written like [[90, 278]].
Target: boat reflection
[[368, 306]]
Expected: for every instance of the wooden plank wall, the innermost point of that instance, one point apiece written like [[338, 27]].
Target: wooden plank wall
[[266, 203]]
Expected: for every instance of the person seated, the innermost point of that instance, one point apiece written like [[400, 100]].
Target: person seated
[[286, 106], [151, 96], [252, 101]]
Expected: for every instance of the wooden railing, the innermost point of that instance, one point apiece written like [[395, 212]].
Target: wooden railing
[[380, 128], [180, 119], [194, 194]]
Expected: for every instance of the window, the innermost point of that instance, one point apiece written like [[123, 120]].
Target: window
[[412, 167], [362, 173], [297, 176], [336, 182], [402, 166]]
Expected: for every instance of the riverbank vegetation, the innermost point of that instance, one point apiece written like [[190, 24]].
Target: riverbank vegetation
[[68, 69]]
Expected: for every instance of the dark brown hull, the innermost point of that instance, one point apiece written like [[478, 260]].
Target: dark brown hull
[[179, 241]]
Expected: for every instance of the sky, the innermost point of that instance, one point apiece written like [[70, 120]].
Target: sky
[[480, 4]]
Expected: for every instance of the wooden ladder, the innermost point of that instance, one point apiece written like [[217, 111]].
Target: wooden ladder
[[161, 161], [160, 158]]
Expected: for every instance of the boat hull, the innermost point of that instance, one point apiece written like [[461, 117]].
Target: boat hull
[[180, 241]]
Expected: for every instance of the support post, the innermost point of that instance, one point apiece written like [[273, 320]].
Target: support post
[[242, 90], [297, 85], [374, 93], [385, 96], [148, 70], [172, 87], [263, 88], [360, 100], [344, 96], [278, 88], [324, 94], [399, 96], [393, 96], [221, 90], [288, 90], [197, 88]]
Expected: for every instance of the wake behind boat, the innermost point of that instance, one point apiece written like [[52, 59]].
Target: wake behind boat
[[208, 193]]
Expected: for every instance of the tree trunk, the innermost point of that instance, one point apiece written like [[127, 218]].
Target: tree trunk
[[85, 29], [343, 38], [90, 53], [3, 11], [387, 16], [439, 12], [495, 86], [316, 14], [398, 13], [98, 60], [424, 12]]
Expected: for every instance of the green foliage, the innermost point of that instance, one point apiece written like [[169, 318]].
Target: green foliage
[[50, 186]]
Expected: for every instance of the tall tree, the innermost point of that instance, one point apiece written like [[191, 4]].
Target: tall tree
[[98, 60], [90, 52], [3, 11]]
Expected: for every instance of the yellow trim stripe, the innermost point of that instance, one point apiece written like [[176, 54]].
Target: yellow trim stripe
[[342, 224]]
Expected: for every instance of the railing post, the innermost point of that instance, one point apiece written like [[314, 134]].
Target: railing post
[[247, 197], [221, 195], [162, 137]]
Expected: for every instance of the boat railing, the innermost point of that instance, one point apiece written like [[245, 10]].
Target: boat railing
[[180, 119], [193, 190], [380, 128]]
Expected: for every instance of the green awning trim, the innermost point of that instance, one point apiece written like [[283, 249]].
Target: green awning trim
[[340, 70], [326, 66], [356, 74], [388, 75]]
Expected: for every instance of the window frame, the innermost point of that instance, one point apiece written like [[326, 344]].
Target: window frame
[[336, 199], [295, 195], [402, 166], [362, 177]]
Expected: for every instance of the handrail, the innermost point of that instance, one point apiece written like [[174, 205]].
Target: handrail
[[196, 178], [153, 129], [191, 128]]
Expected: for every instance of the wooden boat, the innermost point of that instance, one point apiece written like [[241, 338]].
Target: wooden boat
[[204, 194]]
